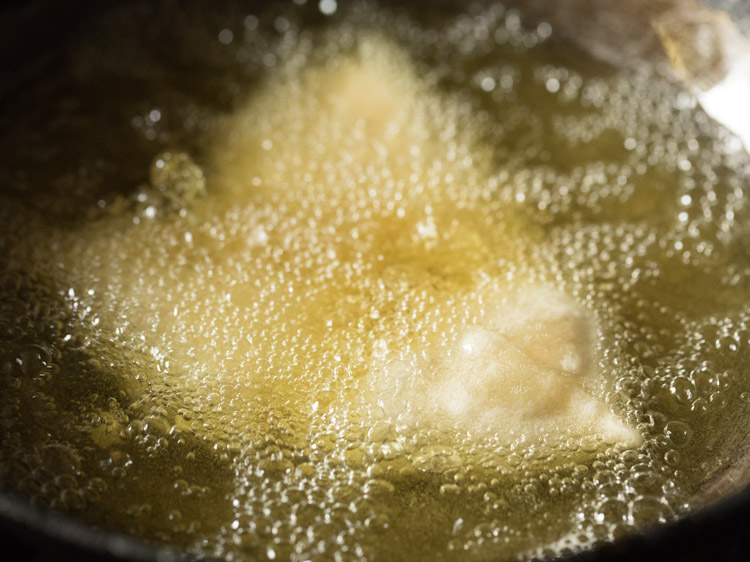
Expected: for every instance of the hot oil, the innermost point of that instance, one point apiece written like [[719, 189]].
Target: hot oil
[[223, 356]]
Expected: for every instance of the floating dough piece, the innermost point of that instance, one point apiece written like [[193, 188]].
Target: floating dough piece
[[344, 207], [527, 372], [368, 111]]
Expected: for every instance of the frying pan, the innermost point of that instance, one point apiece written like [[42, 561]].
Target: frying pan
[[620, 33]]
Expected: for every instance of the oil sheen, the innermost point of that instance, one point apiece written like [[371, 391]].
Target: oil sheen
[[341, 282]]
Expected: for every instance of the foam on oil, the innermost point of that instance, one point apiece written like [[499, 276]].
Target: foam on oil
[[421, 282]]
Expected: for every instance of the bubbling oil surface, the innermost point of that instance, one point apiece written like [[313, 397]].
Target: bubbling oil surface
[[237, 351]]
